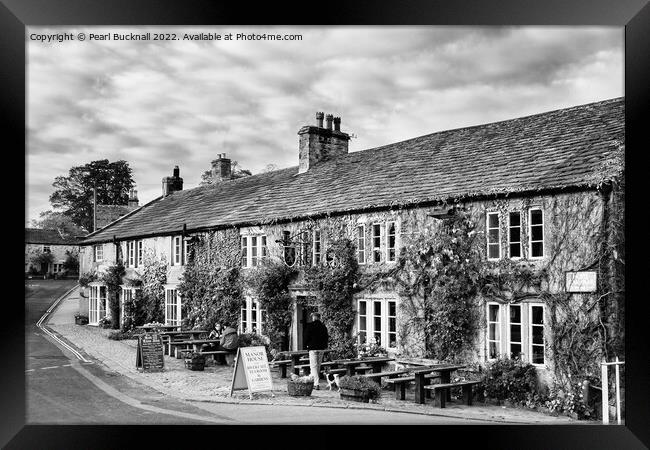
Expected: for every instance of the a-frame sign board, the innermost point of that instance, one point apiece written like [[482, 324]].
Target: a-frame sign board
[[149, 355], [251, 371]]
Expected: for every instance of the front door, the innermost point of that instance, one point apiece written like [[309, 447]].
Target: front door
[[303, 319]]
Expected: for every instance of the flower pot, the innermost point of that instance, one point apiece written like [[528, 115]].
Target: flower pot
[[81, 320], [196, 362], [297, 389], [355, 395]]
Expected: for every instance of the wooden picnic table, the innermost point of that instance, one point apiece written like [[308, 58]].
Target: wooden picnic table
[[195, 343], [158, 327], [444, 370], [352, 364], [295, 356], [170, 336]]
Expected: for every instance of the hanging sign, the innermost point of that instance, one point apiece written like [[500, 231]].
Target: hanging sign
[[149, 356], [251, 371], [581, 281]]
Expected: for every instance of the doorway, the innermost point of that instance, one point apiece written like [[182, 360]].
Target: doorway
[[304, 309]]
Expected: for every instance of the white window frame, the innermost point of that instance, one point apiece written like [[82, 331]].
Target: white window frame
[[509, 341], [376, 249], [487, 235], [361, 252], [316, 247], [530, 233], [94, 296], [177, 250], [384, 321], [498, 327], [98, 252], [139, 253], [388, 236], [186, 249], [530, 326], [252, 314], [510, 227], [261, 249], [130, 253], [170, 307]]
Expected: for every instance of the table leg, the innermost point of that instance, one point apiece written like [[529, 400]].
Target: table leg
[[441, 397], [376, 368], [467, 394], [283, 371], [350, 370], [419, 388]]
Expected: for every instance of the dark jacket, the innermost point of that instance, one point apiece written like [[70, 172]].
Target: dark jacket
[[316, 336]]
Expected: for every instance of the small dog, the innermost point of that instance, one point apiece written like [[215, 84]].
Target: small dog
[[332, 379]]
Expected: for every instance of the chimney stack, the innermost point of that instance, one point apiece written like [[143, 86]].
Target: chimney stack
[[221, 168], [133, 198], [173, 183], [316, 144]]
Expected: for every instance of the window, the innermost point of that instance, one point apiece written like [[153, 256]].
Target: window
[[130, 253], [306, 248], [138, 261], [494, 330], [514, 336], [186, 251], [252, 317], [493, 245], [536, 233], [514, 234], [46, 249], [390, 242], [253, 249], [57, 267], [177, 250], [98, 252], [536, 338], [127, 296], [361, 244], [96, 303], [377, 318], [316, 247], [172, 306], [376, 243]]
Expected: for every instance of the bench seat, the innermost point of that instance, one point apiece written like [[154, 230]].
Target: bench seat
[[392, 374], [399, 384], [296, 368], [440, 391]]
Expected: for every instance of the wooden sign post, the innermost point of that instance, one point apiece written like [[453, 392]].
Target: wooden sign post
[[149, 356], [251, 371]]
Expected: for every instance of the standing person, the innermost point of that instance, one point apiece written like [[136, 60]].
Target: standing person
[[316, 341]]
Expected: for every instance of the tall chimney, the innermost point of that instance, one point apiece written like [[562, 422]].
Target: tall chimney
[[316, 144], [133, 198], [173, 183], [221, 168]]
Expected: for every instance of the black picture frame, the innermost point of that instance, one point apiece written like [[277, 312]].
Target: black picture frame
[[634, 15]]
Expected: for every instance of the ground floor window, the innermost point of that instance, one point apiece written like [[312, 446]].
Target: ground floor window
[[172, 306], [377, 319], [252, 317], [516, 330], [96, 303], [57, 267], [127, 294]]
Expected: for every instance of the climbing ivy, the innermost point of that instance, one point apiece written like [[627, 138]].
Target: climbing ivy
[[154, 277], [112, 278]]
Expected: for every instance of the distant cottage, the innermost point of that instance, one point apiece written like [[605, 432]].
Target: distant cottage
[[46, 251], [544, 192]]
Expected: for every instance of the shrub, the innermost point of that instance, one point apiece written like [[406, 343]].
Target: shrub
[[510, 379], [370, 349], [119, 335], [105, 322], [343, 348], [86, 278], [359, 383], [255, 340]]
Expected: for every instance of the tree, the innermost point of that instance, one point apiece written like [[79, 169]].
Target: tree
[[50, 220], [74, 193], [235, 170]]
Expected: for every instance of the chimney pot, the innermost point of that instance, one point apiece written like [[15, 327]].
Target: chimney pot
[[221, 168], [328, 121], [337, 124], [319, 119], [173, 183]]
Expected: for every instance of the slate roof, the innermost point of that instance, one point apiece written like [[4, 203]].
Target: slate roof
[[48, 236], [552, 150]]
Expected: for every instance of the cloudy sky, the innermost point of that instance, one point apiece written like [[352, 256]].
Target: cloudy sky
[[157, 104]]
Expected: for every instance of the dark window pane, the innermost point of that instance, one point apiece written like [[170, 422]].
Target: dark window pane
[[537, 249], [362, 323], [536, 217], [493, 220], [515, 350], [515, 333], [493, 251], [362, 308], [391, 254], [377, 308], [493, 350], [493, 332], [515, 219], [392, 324], [538, 354], [515, 250], [377, 323], [493, 236], [493, 315], [362, 337], [392, 338], [515, 314], [515, 234], [391, 308], [536, 233], [538, 335], [538, 315]]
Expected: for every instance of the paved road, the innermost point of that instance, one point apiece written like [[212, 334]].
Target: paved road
[[63, 390]]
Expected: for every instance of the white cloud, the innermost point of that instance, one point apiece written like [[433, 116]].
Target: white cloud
[[158, 104]]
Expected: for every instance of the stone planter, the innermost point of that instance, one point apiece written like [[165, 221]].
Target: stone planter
[[354, 395], [81, 320], [195, 362], [297, 389]]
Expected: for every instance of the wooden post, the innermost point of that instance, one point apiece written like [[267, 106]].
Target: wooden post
[[604, 392], [618, 394]]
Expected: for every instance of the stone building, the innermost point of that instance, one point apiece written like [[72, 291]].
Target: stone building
[[544, 192], [51, 242], [106, 214]]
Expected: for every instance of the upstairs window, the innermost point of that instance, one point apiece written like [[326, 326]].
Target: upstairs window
[[46, 249], [390, 242], [514, 234], [316, 247], [186, 251], [253, 250], [98, 252], [138, 261], [361, 244], [244, 251], [493, 241], [130, 253], [177, 249], [376, 243], [536, 233]]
